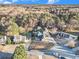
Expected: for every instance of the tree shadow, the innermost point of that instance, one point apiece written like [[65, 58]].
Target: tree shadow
[[5, 55]]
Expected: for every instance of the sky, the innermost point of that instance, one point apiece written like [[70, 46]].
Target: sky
[[39, 1]]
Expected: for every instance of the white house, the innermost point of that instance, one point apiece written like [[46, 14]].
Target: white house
[[3, 39], [63, 38], [66, 36], [20, 38]]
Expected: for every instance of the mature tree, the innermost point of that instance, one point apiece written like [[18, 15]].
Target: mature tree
[[13, 29], [45, 19], [3, 25], [19, 53]]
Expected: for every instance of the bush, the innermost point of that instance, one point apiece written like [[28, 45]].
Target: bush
[[21, 42], [19, 53], [8, 41], [78, 38]]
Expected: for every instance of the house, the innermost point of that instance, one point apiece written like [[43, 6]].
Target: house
[[15, 39], [37, 33], [3, 39], [66, 36], [39, 36], [63, 38], [20, 38]]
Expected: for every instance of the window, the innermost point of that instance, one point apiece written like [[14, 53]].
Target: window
[[66, 36]]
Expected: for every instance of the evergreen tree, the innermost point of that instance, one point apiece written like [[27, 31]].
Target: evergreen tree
[[19, 53]]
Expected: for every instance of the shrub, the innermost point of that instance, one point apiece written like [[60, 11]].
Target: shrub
[[78, 38], [8, 41]]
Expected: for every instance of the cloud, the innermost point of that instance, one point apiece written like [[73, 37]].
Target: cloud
[[6, 2], [36, 1], [30, 0], [52, 1]]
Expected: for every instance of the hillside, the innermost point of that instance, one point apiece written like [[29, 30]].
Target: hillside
[[18, 19]]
